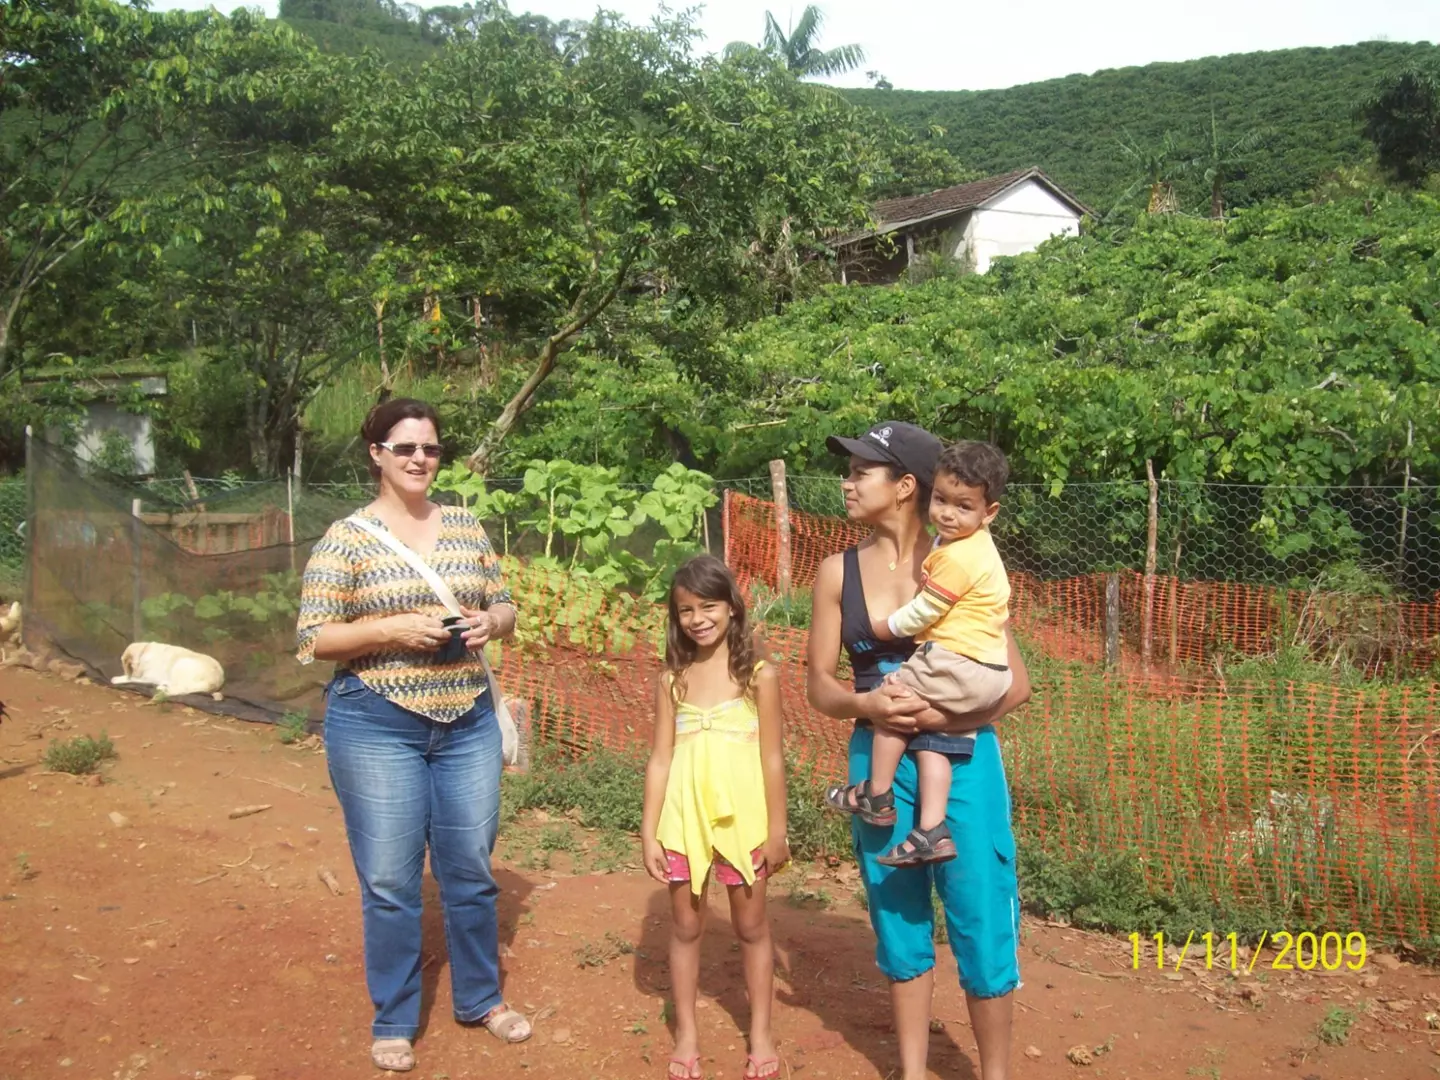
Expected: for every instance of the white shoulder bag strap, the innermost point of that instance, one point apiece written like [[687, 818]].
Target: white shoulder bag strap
[[437, 583]]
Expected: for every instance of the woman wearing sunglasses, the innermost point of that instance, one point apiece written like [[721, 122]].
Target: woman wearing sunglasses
[[411, 735]]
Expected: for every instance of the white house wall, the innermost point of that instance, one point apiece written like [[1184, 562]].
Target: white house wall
[[102, 417], [1014, 222]]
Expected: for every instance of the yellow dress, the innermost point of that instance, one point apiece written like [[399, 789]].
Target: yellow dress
[[715, 798]]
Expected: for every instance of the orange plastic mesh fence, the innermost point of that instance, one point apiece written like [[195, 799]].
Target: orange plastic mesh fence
[[1255, 792], [1211, 777], [1309, 799], [1223, 780]]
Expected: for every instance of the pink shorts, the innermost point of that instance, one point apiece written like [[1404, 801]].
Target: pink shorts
[[725, 871]]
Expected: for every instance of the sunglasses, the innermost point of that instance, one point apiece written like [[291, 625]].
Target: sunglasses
[[407, 449]]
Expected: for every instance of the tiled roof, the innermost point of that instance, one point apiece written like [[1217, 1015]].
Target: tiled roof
[[891, 214]]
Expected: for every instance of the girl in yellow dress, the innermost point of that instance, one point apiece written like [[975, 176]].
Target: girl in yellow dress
[[715, 796]]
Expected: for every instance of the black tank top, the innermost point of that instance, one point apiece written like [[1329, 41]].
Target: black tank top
[[870, 658]]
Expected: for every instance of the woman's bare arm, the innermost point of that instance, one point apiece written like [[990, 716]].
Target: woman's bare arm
[[342, 641]]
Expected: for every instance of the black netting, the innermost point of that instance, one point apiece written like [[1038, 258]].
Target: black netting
[[103, 577]]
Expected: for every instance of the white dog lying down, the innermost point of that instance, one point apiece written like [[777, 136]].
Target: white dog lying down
[[173, 671]]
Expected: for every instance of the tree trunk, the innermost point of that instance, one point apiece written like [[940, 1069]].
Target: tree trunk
[[8, 314], [483, 459], [1162, 198], [1217, 201], [482, 350], [380, 344], [580, 316], [271, 419], [273, 424]]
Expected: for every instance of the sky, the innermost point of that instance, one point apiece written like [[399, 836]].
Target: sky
[[958, 45]]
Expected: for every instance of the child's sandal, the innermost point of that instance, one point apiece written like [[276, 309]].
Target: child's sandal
[[921, 847], [856, 799], [689, 1067], [762, 1068]]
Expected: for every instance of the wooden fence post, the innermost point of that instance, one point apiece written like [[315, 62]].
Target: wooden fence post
[[1147, 629], [725, 527], [1404, 506], [292, 482], [782, 526], [27, 614], [1175, 594], [137, 572], [1112, 620]]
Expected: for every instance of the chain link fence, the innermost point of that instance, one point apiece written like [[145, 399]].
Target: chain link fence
[[1383, 541], [1376, 541], [1347, 577]]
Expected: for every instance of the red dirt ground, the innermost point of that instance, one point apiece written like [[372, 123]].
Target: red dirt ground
[[146, 934]]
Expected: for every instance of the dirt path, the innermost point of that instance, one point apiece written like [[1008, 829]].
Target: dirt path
[[145, 933]]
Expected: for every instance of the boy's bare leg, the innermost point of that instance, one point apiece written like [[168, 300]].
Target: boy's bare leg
[[934, 770], [885, 754]]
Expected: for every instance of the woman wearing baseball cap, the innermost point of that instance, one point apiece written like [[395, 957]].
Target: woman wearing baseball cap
[[887, 486]]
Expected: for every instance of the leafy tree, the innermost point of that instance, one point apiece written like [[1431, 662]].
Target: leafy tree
[[1221, 163], [1402, 119], [264, 249], [615, 173], [798, 49], [1156, 167], [1292, 348], [93, 98]]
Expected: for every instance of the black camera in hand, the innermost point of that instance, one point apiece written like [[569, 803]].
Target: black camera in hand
[[454, 649]]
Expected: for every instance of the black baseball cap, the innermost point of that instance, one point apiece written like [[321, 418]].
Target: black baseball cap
[[896, 443]]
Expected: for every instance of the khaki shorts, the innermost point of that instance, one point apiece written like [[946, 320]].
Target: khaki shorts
[[953, 683]]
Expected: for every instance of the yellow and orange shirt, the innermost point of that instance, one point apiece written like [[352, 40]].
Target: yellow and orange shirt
[[964, 600], [353, 577]]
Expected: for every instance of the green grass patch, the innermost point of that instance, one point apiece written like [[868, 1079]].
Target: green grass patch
[[596, 954], [292, 728], [613, 850], [605, 788], [80, 755], [1335, 1025], [802, 896]]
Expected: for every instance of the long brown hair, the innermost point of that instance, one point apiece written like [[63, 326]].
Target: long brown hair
[[709, 579]]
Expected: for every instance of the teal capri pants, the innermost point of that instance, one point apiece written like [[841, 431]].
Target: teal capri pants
[[978, 888]]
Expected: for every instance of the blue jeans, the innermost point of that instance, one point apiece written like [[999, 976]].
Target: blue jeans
[[978, 889], [404, 781]]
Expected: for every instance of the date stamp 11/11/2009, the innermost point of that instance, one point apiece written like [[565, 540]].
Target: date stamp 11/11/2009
[[1305, 951]]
